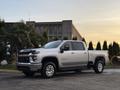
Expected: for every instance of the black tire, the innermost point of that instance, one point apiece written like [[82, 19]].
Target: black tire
[[28, 73], [99, 66], [51, 70]]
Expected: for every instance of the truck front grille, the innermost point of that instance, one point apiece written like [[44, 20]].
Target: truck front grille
[[23, 59]]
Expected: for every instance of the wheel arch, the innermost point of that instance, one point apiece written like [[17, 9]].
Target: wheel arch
[[100, 58], [51, 59]]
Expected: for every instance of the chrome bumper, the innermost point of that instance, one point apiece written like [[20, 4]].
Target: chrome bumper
[[29, 66]]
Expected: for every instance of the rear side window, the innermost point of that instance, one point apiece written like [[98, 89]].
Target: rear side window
[[77, 46]]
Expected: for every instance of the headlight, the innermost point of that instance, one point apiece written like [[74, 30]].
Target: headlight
[[33, 58], [36, 52]]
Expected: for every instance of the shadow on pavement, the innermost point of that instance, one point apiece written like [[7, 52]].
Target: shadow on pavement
[[58, 75]]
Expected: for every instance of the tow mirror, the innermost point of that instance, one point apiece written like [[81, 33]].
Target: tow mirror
[[61, 50], [65, 48]]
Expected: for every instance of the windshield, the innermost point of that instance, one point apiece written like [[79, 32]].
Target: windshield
[[53, 44]]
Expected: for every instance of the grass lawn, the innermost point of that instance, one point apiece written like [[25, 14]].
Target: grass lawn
[[112, 66], [8, 67]]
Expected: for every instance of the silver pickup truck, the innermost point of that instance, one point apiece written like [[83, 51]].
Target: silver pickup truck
[[61, 55]]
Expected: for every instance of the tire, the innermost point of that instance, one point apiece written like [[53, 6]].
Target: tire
[[99, 67], [48, 70], [28, 73]]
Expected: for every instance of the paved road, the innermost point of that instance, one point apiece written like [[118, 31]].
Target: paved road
[[87, 80]]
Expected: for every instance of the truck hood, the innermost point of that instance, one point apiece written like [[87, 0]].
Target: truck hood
[[34, 50]]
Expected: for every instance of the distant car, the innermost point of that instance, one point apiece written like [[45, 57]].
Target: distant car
[[59, 56]]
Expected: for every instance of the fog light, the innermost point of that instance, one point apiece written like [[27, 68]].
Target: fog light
[[31, 60]]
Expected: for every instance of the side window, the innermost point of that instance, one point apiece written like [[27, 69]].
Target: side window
[[66, 45], [77, 46]]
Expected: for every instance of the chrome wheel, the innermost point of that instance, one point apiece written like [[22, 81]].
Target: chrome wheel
[[100, 67], [50, 70]]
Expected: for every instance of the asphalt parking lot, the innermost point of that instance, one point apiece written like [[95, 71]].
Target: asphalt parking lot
[[86, 80]]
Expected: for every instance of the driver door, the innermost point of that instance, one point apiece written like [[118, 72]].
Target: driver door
[[66, 57]]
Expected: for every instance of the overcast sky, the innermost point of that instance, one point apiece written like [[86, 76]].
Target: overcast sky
[[96, 20]]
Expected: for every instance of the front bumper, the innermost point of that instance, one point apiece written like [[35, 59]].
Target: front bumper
[[29, 66]]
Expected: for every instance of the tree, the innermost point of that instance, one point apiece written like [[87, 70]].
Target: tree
[[44, 38], [19, 35], [83, 39], [110, 51], [98, 47], [24, 36], [74, 38], [105, 45], [2, 51], [35, 39], [2, 40], [115, 48], [90, 46]]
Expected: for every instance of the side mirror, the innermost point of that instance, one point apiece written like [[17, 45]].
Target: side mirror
[[65, 48], [61, 50]]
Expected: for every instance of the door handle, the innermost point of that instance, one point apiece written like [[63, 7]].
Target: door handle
[[85, 52], [72, 53]]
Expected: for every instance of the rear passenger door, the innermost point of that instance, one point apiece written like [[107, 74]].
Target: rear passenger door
[[79, 54]]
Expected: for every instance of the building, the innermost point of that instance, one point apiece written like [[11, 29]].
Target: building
[[56, 30]]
